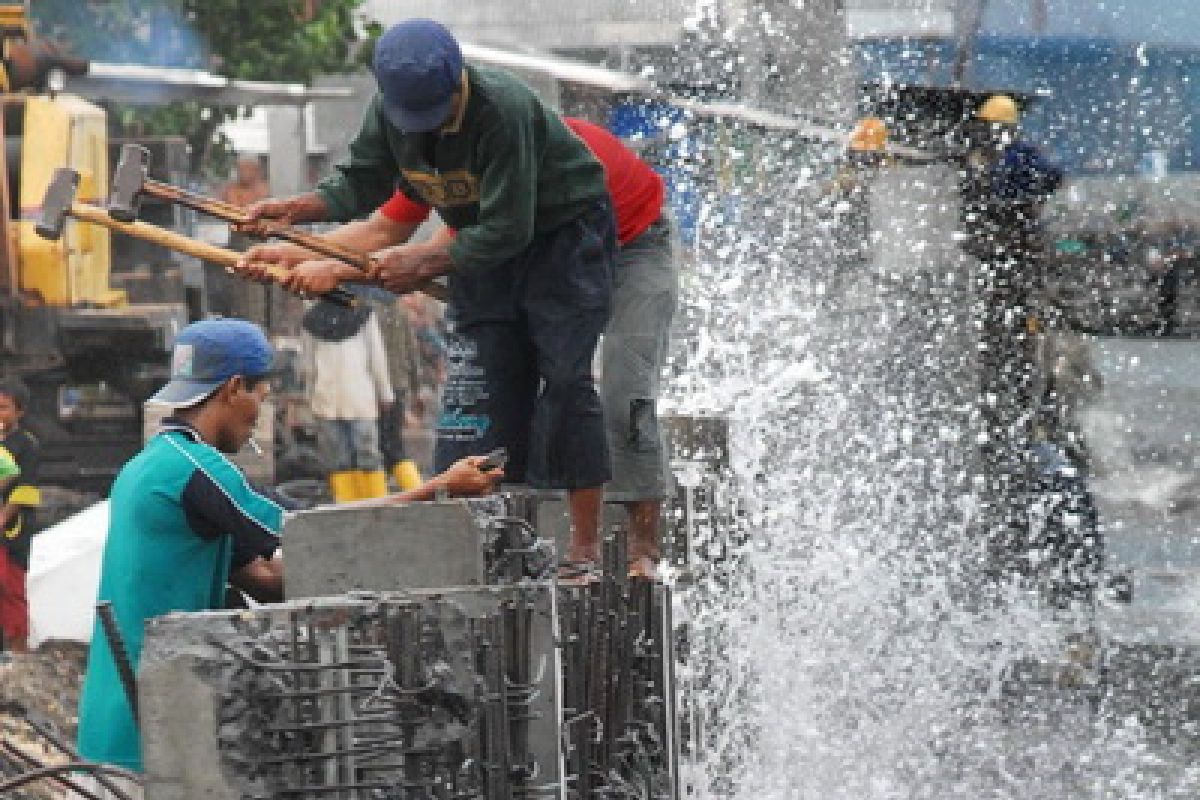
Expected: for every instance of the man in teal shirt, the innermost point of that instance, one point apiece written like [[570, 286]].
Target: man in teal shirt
[[184, 522], [530, 271], [183, 519]]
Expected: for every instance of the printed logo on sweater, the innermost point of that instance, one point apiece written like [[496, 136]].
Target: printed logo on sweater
[[444, 190], [465, 394]]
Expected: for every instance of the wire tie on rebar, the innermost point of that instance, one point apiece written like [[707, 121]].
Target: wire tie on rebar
[[389, 671]]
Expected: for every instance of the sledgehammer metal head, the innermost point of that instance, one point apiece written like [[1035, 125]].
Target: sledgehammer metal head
[[127, 182], [56, 205]]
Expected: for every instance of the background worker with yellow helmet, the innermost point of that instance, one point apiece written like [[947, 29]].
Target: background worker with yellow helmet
[[869, 137], [848, 194], [1005, 181], [999, 108]]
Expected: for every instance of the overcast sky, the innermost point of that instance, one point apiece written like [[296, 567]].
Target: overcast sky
[[1156, 21]]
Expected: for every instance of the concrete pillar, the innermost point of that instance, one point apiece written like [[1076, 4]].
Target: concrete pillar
[[288, 150], [221, 693]]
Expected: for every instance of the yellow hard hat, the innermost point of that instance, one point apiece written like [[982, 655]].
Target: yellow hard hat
[[999, 108], [869, 135]]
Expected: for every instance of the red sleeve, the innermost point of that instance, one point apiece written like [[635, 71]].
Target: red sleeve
[[400, 208]]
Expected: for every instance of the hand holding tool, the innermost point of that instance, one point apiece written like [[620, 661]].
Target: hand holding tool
[[131, 182], [59, 203]]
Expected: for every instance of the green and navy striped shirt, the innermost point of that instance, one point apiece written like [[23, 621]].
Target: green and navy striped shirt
[[181, 517]]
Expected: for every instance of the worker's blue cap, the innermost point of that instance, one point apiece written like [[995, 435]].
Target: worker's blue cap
[[418, 66], [210, 352]]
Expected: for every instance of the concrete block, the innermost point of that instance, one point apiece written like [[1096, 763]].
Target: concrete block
[[421, 545], [452, 690], [179, 708]]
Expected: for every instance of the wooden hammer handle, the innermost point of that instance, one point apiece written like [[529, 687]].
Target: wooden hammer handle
[[183, 244], [206, 205], [354, 258], [155, 234], [272, 228], [317, 244], [207, 252], [235, 215]]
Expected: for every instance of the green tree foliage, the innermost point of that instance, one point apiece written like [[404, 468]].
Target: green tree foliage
[[268, 40]]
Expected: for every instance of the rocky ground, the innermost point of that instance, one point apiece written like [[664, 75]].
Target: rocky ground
[[42, 686]]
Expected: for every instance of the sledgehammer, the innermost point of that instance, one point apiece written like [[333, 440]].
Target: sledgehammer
[[131, 181], [59, 203]]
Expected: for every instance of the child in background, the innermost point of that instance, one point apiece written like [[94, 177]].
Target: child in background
[[19, 496], [8, 466]]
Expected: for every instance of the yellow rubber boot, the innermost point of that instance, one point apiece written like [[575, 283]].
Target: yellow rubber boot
[[407, 476], [343, 486], [359, 483], [371, 484]]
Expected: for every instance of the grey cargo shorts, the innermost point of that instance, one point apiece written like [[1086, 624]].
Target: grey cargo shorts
[[633, 353]]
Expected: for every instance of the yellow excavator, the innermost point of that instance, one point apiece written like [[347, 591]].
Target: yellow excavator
[[88, 355], [44, 130]]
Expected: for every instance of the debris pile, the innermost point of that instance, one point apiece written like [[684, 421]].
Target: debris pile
[[39, 695]]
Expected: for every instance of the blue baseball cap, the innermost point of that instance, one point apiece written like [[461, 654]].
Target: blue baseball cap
[[210, 352], [418, 66]]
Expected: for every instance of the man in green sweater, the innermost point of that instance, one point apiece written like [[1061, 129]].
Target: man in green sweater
[[530, 271]]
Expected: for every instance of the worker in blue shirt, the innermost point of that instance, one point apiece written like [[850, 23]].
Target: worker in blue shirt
[[1005, 181]]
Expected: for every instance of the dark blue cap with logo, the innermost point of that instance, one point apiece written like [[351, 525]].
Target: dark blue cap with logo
[[210, 352], [418, 66]]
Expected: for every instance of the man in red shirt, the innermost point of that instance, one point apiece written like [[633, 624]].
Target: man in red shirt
[[633, 350]]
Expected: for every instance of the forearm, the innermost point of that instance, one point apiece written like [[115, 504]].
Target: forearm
[[425, 260], [425, 492], [346, 273], [467, 477], [368, 235], [429, 490], [262, 579], [307, 207]]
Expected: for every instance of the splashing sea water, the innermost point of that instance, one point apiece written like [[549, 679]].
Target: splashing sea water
[[840, 651]]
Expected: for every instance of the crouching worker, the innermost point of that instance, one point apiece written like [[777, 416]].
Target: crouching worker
[[184, 521]]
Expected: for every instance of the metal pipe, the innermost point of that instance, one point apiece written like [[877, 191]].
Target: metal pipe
[[289, 666], [330, 738]]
